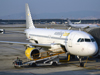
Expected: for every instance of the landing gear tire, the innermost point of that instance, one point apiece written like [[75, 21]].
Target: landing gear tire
[[34, 65], [81, 64], [54, 64]]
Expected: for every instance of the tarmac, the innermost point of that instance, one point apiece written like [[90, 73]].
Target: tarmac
[[8, 53]]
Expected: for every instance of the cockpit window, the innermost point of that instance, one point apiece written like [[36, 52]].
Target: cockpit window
[[92, 39], [79, 40], [87, 40], [82, 40]]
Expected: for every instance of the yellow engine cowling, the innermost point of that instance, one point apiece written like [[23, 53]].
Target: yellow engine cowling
[[32, 53]]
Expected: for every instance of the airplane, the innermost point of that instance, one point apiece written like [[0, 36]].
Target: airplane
[[74, 42], [83, 26], [77, 22]]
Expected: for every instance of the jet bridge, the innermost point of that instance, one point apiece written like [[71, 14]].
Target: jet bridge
[[95, 32]]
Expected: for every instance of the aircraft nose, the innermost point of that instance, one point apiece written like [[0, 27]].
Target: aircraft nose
[[93, 49]]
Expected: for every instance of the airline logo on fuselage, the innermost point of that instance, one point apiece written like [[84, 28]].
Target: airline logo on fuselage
[[61, 33], [66, 34], [58, 33]]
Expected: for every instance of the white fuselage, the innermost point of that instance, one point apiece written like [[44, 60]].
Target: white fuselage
[[83, 25], [68, 38]]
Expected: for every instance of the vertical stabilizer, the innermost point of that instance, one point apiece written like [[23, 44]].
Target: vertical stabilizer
[[29, 22], [69, 22], [80, 21]]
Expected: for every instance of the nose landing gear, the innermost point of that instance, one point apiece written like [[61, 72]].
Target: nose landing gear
[[80, 61]]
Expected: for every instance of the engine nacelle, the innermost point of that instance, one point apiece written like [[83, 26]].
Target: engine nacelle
[[32, 53]]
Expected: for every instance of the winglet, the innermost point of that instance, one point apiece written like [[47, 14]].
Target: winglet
[[29, 22]]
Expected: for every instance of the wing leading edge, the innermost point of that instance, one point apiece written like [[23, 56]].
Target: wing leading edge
[[32, 44]]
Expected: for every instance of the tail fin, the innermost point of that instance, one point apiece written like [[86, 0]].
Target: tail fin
[[69, 22], [80, 21], [29, 22]]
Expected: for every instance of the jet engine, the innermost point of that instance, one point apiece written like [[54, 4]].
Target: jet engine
[[32, 53]]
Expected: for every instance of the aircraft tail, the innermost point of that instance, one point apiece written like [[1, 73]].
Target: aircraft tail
[[80, 21], [69, 22], [29, 22]]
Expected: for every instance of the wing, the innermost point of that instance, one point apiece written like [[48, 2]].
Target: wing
[[32, 44], [21, 32]]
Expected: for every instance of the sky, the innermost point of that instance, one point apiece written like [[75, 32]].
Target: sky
[[41, 7]]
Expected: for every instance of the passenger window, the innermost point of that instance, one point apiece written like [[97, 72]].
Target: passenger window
[[79, 40], [82, 40], [87, 40]]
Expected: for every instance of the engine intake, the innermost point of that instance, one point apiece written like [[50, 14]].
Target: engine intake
[[32, 53]]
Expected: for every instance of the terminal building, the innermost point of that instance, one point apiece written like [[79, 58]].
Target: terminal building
[[49, 21]]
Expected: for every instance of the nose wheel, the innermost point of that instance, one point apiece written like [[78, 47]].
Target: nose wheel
[[81, 63]]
